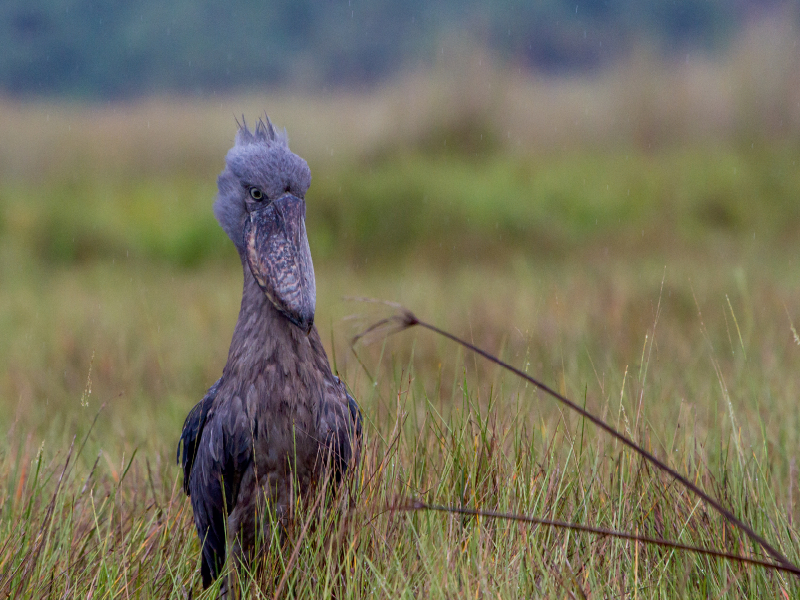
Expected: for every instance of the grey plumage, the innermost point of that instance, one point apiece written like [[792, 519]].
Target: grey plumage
[[278, 416]]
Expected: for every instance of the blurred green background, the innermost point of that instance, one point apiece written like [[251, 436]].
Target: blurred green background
[[87, 49]]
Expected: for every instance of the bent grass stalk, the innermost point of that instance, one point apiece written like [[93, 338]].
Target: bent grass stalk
[[406, 320]]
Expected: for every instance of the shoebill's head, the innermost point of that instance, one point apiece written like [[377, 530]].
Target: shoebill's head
[[261, 206]]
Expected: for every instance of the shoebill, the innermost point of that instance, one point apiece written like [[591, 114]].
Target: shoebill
[[278, 421]]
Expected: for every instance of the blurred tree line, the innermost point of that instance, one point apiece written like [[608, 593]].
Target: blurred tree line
[[95, 49]]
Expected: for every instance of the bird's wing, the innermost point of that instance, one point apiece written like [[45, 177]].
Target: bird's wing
[[354, 429], [223, 453], [192, 430], [344, 430]]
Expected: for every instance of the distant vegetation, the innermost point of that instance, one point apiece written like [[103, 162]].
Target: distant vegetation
[[87, 49], [466, 161], [445, 209]]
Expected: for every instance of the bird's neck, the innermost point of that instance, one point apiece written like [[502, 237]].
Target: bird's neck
[[264, 337]]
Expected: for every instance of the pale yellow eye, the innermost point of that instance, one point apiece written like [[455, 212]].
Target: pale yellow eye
[[256, 194]]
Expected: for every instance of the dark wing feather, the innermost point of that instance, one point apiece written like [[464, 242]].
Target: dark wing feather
[[192, 430], [346, 440], [223, 453], [355, 415]]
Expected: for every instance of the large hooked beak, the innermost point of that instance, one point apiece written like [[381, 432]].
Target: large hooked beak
[[280, 259]]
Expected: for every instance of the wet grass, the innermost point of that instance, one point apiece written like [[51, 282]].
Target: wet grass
[[702, 372]]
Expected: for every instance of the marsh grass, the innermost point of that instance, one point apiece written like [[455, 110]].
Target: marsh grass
[[121, 534], [108, 518]]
